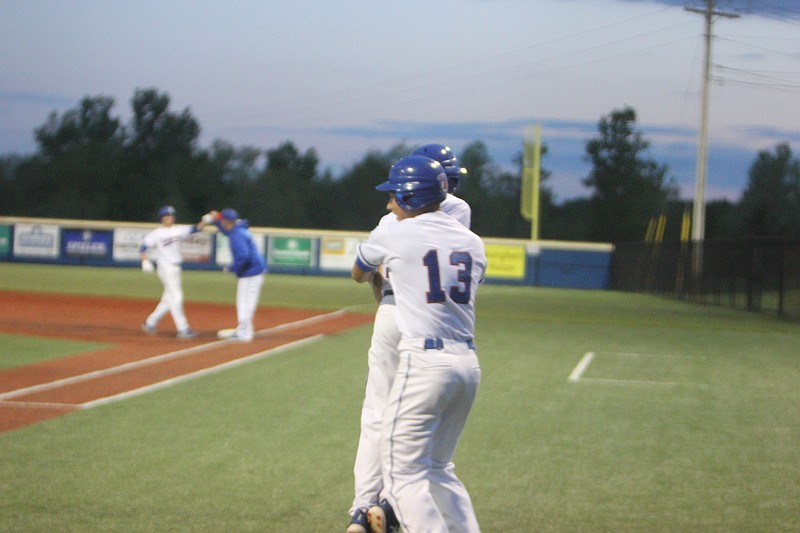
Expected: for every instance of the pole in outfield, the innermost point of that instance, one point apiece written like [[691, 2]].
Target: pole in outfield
[[531, 174], [699, 222]]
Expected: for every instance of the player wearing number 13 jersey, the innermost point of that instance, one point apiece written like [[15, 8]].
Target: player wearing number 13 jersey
[[436, 266], [383, 358]]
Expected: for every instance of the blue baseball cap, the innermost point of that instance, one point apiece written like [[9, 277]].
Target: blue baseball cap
[[229, 214]]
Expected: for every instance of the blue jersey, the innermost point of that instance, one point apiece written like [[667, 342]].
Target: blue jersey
[[247, 260]]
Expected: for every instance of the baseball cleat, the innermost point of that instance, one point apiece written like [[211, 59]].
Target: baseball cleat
[[231, 335], [358, 522], [188, 333], [381, 518], [150, 330], [226, 333]]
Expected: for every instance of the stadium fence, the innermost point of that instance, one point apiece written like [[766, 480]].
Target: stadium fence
[[753, 274]]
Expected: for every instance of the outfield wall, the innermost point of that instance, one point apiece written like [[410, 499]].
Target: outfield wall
[[290, 251]]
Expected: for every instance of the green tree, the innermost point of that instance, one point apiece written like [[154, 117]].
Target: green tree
[[494, 193], [79, 158], [230, 176], [160, 160], [628, 187], [282, 191], [89, 124], [358, 205], [770, 204]]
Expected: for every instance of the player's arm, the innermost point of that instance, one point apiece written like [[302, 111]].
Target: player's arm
[[363, 270], [359, 274], [239, 252], [376, 282], [205, 220], [367, 262], [147, 264]]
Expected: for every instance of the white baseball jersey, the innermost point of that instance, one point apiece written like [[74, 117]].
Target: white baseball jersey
[[436, 265], [451, 205], [167, 242], [383, 358], [457, 208]]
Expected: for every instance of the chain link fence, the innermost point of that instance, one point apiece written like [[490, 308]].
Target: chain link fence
[[752, 274]]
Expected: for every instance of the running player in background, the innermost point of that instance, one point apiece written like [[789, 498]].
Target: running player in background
[[383, 356], [249, 267], [166, 241], [435, 265]]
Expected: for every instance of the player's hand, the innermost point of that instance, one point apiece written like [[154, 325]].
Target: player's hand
[[208, 218], [147, 266]]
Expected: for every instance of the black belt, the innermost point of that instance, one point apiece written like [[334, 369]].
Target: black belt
[[388, 292], [437, 343]]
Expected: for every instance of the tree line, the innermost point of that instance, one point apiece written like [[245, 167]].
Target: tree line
[[89, 165]]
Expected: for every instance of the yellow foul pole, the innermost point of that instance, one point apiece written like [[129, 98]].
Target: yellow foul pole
[[531, 176]]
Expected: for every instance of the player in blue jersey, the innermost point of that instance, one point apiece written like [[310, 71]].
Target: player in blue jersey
[[248, 265], [435, 265]]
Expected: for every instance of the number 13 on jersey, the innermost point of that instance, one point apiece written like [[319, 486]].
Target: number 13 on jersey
[[459, 291]]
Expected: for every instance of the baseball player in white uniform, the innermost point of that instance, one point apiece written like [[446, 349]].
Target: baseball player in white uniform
[[166, 241], [435, 265], [383, 358]]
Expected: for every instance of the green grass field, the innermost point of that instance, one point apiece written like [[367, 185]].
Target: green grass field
[[686, 420]]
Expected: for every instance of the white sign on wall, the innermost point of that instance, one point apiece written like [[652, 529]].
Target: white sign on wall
[[36, 240]]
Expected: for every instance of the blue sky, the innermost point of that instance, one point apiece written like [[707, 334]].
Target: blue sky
[[349, 76]]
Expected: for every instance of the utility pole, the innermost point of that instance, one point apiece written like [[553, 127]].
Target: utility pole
[[699, 211]]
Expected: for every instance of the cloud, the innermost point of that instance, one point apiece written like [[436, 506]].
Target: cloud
[[729, 158], [780, 9]]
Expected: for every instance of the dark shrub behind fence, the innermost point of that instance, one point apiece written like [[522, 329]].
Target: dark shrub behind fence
[[753, 274]]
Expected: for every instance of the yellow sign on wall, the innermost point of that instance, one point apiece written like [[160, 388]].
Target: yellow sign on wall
[[505, 261]]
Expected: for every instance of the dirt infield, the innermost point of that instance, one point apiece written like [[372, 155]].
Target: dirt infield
[[135, 362]]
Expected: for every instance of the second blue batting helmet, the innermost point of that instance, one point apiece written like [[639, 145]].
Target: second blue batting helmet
[[417, 181], [444, 155]]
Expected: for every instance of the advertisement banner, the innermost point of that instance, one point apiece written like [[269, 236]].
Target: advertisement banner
[[95, 244], [505, 261], [127, 242], [196, 248], [224, 257], [287, 251], [337, 253], [36, 240], [5, 241]]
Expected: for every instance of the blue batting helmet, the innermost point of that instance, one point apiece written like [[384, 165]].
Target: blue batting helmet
[[444, 155], [166, 210], [417, 181]]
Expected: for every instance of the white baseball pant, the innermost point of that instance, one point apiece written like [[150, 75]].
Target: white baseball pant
[[248, 291], [172, 297], [382, 364], [428, 405]]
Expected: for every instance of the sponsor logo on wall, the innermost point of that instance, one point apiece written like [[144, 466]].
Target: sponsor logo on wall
[[36, 240]]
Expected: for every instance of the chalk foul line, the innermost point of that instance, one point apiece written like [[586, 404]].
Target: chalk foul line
[[164, 357]]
